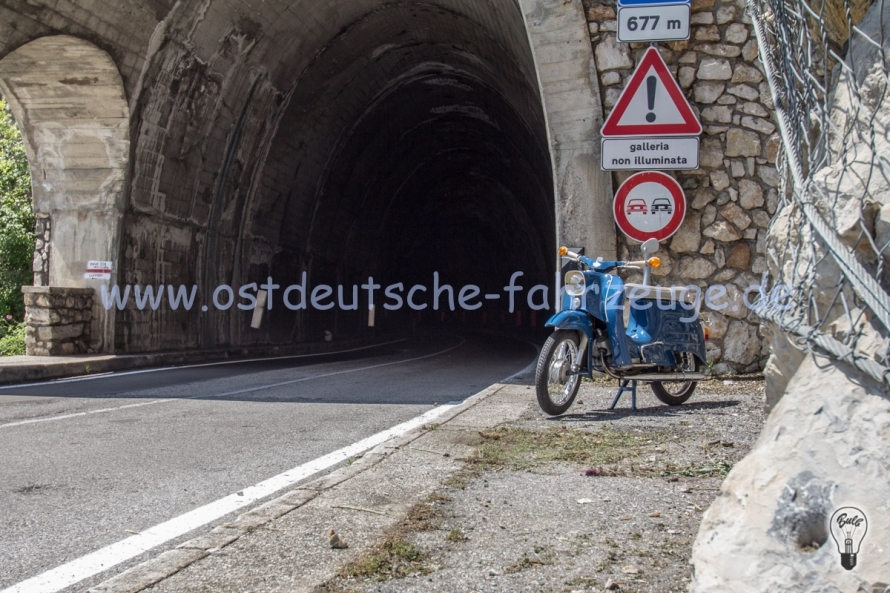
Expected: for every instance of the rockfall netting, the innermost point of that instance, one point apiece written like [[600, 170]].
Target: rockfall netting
[[826, 62]]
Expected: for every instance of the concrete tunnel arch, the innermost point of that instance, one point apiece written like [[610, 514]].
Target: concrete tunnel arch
[[68, 100], [338, 138]]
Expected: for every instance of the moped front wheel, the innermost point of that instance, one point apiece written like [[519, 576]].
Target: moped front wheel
[[675, 393], [555, 387]]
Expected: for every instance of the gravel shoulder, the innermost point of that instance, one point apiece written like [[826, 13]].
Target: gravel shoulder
[[495, 497], [590, 501]]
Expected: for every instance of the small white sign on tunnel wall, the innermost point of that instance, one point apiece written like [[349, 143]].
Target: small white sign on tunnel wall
[[98, 270]]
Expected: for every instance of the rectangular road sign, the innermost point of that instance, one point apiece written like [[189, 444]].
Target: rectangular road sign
[[653, 22], [641, 2], [98, 270], [637, 154]]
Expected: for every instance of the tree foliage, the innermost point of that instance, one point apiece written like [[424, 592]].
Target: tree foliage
[[16, 217]]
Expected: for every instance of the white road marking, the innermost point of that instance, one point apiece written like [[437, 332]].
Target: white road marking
[[249, 390], [76, 414], [376, 366], [192, 366], [101, 560]]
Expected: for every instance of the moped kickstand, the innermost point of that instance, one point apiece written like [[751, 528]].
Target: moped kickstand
[[633, 394]]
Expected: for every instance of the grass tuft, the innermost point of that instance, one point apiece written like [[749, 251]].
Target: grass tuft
[[394, 558], [456, 535], [520, 448]]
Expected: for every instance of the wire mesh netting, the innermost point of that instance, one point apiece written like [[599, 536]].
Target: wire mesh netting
[[829, 242]]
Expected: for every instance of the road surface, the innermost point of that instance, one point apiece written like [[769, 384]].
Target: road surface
[[88, 463]]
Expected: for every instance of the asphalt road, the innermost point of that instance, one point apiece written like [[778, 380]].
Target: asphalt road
[[88, 463]]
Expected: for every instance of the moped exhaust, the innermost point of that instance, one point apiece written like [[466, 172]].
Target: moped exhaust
[[666, 377]]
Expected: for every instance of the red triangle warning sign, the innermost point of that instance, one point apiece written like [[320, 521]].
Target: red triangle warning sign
[[652, 104]]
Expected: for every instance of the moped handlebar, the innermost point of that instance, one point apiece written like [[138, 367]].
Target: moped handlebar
[[564, 252], [652, 262]]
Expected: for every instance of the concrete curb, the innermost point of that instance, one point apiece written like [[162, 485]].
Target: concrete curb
[[169, 563], [46, 368]]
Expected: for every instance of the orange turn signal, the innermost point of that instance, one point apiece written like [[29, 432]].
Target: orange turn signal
[[563, 251], [654, 262], [707, 334]]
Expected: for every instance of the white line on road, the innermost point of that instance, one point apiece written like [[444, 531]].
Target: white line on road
[[101, 560], [249, 390], [76, 414], [193, 366], [375, 366]]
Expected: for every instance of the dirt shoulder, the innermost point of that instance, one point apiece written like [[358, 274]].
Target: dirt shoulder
[[494, 497], [592, 500]]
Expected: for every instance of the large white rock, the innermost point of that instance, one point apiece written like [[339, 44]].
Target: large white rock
[[696, 268], [688, 237], [714, 69], [826, 442], [611, 55], [825, 445], [741, 344]]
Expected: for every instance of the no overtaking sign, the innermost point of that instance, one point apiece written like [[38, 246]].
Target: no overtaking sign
[[649, 205]]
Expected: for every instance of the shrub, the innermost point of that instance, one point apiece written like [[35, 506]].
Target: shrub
[[12, 338], [16, 217]]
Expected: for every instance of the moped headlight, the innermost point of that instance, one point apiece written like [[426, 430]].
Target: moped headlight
[[575, 283]]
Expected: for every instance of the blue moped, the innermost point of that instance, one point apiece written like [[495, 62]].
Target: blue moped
[[630, 332]]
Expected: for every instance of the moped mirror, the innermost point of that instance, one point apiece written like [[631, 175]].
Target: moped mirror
[[650, 246]]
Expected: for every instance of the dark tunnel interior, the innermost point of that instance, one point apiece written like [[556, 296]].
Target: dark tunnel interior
[[414, 143]]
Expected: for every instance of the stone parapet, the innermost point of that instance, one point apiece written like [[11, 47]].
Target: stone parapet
[[58, 320]]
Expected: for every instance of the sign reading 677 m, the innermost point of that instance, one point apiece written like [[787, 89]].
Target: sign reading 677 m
[[648, 21]]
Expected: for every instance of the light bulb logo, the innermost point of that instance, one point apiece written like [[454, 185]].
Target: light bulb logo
[[848, 526]]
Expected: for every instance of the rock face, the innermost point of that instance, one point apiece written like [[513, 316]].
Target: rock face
[[853, 198], [825, 443], [824, 446]]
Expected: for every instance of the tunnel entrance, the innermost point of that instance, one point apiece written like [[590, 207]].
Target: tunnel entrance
[[413, 150]]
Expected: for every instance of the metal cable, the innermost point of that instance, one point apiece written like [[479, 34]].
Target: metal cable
[[801, 58]]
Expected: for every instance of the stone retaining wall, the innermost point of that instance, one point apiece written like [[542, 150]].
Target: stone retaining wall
[[59, 320], [40, 267], [733, 196]]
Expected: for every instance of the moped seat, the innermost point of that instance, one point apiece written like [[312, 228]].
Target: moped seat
[[664, 293]]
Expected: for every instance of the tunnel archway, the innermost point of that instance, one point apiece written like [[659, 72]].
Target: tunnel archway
[[251, 151], [69, 102], [415, 142]]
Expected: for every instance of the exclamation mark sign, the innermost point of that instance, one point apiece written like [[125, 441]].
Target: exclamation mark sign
[[650, 87]]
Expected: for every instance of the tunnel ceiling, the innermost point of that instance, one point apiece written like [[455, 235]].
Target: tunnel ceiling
[[413, 141]]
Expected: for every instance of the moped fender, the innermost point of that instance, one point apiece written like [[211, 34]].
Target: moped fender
[[572, 320]]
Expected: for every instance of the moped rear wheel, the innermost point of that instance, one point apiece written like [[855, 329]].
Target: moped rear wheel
[[675, 393], [555, 387]]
